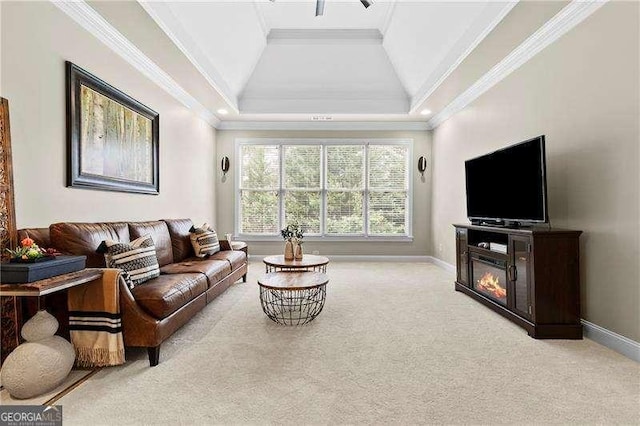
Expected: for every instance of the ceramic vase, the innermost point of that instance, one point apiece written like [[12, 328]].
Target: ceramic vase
[[298, 252], [41, 363], [288, 251]]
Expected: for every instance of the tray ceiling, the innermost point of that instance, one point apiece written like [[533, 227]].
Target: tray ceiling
[[277, 58]]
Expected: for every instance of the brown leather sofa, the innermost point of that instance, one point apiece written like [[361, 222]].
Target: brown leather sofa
[[152, 311]]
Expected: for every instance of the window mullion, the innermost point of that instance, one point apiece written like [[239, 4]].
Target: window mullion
[[281, 193], [323, 189], [365, 191]]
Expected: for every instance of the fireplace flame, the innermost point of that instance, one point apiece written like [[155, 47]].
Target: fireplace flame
[[490, 283]]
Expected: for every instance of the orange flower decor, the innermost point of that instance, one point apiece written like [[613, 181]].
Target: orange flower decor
[[30, 251], [27, 242]]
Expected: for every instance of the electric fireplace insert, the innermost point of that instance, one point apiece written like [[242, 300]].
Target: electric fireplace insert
[[489, 277]]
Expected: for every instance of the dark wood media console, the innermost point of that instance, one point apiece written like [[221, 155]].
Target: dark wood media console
[[528, 275]]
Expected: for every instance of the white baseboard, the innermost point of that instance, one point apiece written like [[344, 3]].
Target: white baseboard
[[441, 263], [625, 346], [361, 258]]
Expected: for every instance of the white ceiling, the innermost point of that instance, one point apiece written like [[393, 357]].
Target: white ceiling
[[276, 60], [315, 71], [345, 14]]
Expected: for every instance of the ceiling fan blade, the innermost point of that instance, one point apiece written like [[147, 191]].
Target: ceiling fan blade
[[366, 3], [319, 7]]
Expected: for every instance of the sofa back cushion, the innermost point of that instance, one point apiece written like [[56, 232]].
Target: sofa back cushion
[[160, 235], [180, 238], [39, 235], [84, 238]]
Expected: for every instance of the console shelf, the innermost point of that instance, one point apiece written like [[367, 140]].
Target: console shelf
[[528, 275]]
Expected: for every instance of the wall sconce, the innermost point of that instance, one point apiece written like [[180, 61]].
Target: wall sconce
[[224, 165], [422, 165]]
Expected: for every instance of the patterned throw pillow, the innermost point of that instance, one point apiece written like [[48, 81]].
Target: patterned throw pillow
[[137, 259], [204, 240]]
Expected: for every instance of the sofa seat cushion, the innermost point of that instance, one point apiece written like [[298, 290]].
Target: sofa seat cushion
[[160, 235], [166, 294], [215, 270], [235, 258]]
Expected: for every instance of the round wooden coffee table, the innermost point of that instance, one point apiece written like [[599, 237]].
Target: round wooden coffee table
[[293, 298], [309, 262]]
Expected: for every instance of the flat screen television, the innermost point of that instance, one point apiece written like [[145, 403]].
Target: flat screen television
[[508, 185]]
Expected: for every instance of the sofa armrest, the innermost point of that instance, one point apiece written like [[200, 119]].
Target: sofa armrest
[[139, 328]]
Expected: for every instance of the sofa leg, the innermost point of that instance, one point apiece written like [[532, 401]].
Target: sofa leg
[[244, 278], [154, 355]]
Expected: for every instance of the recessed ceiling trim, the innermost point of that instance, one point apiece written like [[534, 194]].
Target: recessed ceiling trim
[[161, 13], [325, 125], [95, 24], [570, 16], [259, 14], [387, 19], [320, 106], [324, 36], [487, 20]]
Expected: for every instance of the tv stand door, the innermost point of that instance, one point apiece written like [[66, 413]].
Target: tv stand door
[[462, 252], [519, 274]]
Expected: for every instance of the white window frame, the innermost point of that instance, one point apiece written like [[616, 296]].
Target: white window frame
[[324, 142]]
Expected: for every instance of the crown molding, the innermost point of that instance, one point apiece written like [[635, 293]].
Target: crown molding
[[324, 36], [315, 103], [96, 25], [161, 13], [388, 17], [261, 19], [325, 125], [488, 20], [570, 16]]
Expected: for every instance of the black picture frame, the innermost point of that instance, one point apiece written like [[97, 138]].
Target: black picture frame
[[148, 162]]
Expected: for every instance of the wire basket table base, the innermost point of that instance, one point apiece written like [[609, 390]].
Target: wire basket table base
[[293, 298], [293, 307]]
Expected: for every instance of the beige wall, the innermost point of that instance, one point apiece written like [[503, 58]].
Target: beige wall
[[422, 195], [582, 92], [36, 40]]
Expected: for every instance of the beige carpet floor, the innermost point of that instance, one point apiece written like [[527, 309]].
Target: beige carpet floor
[[394, 344]]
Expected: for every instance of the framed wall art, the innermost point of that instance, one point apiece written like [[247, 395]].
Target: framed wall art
[[112, 139]]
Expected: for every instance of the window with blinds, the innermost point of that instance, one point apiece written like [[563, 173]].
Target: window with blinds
[[331, 188]]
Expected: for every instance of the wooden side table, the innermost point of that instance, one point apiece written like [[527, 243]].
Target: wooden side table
[[39, 289], [240, 246], [309, 262], [50, 285]]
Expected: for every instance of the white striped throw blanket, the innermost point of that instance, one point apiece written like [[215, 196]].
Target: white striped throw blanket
[[95, 322]]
